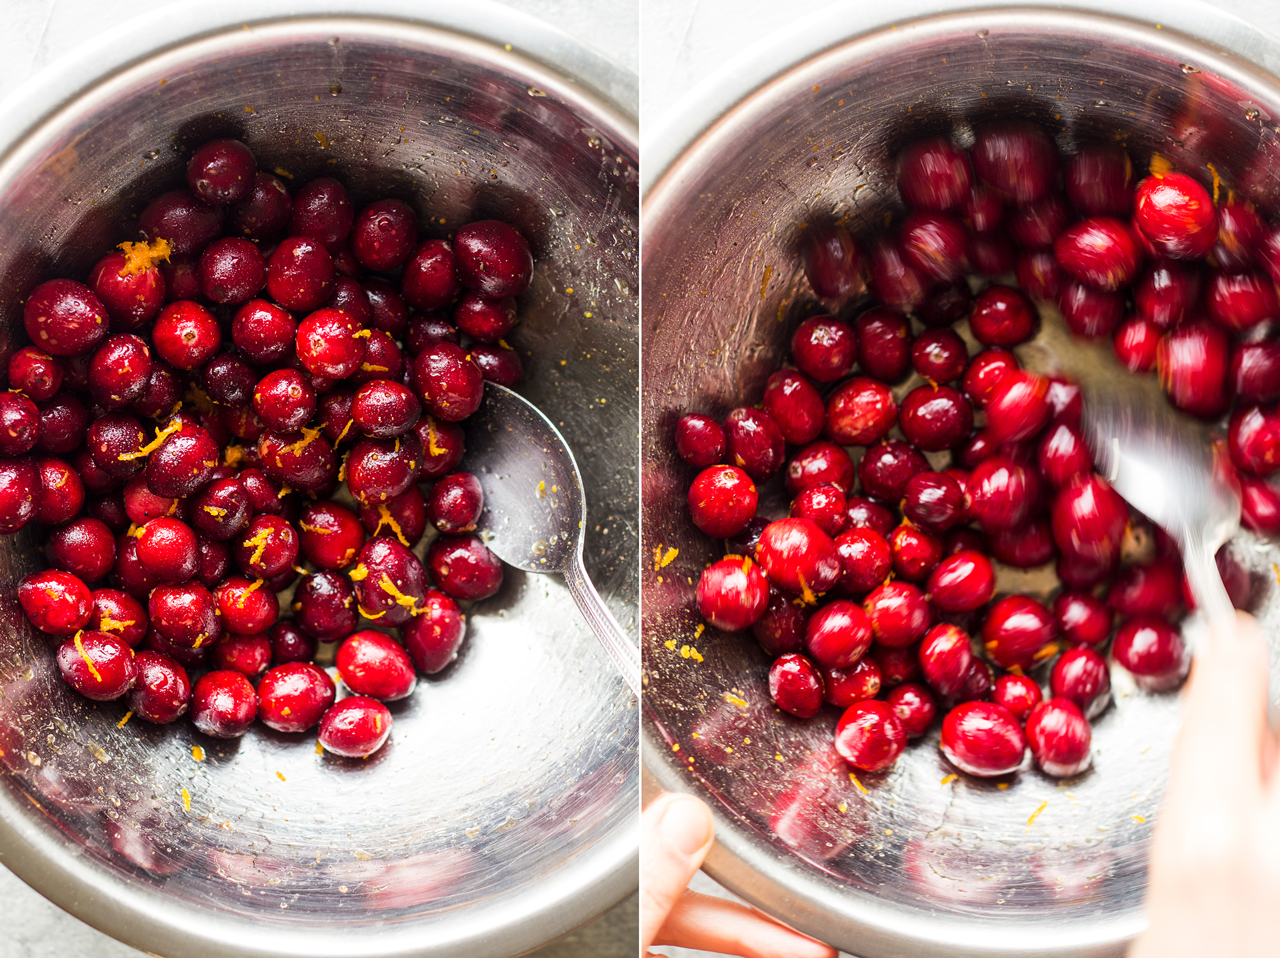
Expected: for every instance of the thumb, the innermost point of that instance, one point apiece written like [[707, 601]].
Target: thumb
[[675, 834]]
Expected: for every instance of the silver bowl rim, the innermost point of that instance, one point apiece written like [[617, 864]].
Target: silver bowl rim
[[578, 75], [700, 124]]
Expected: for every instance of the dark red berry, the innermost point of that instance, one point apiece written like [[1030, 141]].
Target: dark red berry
[[780, 630], [161, 692], [1192, 362], [1017, 693], [962, 582], [1018, 406], [35, 373], [291, 644], [1082, 618], [1176, 215], [19, 424], [936, 244], [377, 666], [1099, 181], [1147, 588], [833, 262], [820, 462], [946, 659], [64, 318], [448, 382], [167, 548], [431, 279], [865, 560], [432, 638], [221, 172], [1016, 159], [1080, 676], [187, 223], [1002, 494], [934, 175], [356, 727], [887, 467], [939, 355], [247, 654], [1059, 737], [300, 274], [795, 685], [384, 235], [1240, 301], [793, 404], [753, 442], [183, 463], [824, 504], [98, 665], [493, 258], [120, 614], [1089, 518], [983, 739], [1100, 251], [824, 348], [934, 417], [1017, 632], [884, 344], [293, 697], [464, 568], [223, 704]]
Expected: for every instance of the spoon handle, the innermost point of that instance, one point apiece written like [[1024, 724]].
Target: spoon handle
[[1206, 585], [625, 655]]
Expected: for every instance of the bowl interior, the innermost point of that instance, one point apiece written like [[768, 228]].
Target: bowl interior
[[914, 860], [509, 783]]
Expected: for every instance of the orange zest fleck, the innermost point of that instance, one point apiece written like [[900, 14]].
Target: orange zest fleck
[[343, 435], [308, 436], [854, 778], [258, 543], [1036, 813], [408, 601], [244, 594], [124, 721], [186, 800], [359, 573], [97, 676], [434, 447], [947, 780], [233, 456], [108, 624], [154, 444], [363, 334], [316, 529], [386, 517], [197, 753], [370, 615], [143, 256], [734, 700], [215, 511]]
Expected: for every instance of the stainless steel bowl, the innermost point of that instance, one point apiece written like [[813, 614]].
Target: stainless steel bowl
[[502, 813], [915, 861]]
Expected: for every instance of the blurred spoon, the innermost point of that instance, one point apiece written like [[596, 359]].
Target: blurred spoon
[[535, 508], [1160, 460]]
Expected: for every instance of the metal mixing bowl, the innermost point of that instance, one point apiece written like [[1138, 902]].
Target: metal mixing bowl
[[914, 861], [502, 813]]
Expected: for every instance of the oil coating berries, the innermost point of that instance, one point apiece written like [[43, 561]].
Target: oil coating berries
[[983, 739], [795, 685], [161, 691], [722, 500], [493, 259]]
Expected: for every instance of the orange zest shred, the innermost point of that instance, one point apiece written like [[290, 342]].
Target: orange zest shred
[[244, 594], [125, 720], [108, 624], [363, 334], [370, 615], [806, 594], [359, 573], [663, 559], [948, 779], [215, 511], [854, 778], [316, 529], [154, 444], [233, 456], [200, 639], [308, 436], [97, 676], [258, 543], [434, 447], [1160, 165], [143, 256], [1036, 813], [408, 601], [386, 517], [343, 435], [285, 489], [370, 368], [186, 800]]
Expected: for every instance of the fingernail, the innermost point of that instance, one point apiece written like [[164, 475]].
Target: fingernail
[[686, 825]]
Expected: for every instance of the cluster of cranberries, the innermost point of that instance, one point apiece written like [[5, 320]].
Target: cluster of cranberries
[[883, 603], [275, 346]]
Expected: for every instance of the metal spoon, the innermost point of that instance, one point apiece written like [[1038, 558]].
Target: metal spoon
[[1161, 461], [535, 509]]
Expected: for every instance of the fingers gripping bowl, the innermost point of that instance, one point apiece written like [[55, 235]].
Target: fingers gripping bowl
[[914, 860], [499, 815]]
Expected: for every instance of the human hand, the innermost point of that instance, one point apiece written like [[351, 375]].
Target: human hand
[[676, 831], [1215, 858]]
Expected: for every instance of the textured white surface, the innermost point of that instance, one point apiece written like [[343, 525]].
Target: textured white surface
[[37, 32]]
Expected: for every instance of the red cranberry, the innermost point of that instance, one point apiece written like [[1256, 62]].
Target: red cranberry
[[19, 424], [936, 244], [962, 582], [484, 319], [1240, 301], [291, 644], [1082, 618], [292, 697], [300, 274], [375, 665], [183, 464], [119, 613], [1176, 215], [1024, 547], [228, 380], [232, 270], [247, 654], [1255, 371], [442, 446], [946, 658], [934, 417], [1081, 677], [933, 500], [1017, 160], [894, 281], [498, 364], [167, 549], [732, 594], [934, 175], [798, 557], [187, 223], [887, 467], [1018, 406], [1167, 292], [1152, 588], [284, 401], [945, 303], [330, 344], [456, 503], [781, 628], [115, 444], [1135, 344], [493, 259], [56, 602], [223, 704], [129, 573], [993, 255], [1089, 518], [939, 355], [163, 392], [141, 505], [754, 443], [915, 552], [897, 665], [221, 172], [84, 547], [1063, 455], [181, 276], [899, 613], [817, 463], [856, 683], [983, 739], [64, 318], [263, 331], [221, 510], [792, 403], [795, 685], [1036, 225], [1259, 506], [264, 211], [1084, 572], [983, 209], [1059, 737], [186, 335], [431, 279], [269, 545], [433, 637], [184, 614], [302, 460], [1090, 312], [387, 310], [356, 727], [1099, 181], [884, 344], [838, 634], [448, 382], [985, 372], [130, 285], [823, 504], [1039, 275], [833, 262], [405, 516], [1002, 494], [869, 736], [1017, 632], [1192, 362], [97, 665], [722, 500], [322, 211], [1100, 251], [381, 469], [865, 560], [914, 707], [964, 539], [464, 568], [384, 235], [161, 692], [35, 373], [246, 607], [1018, 694], [824, 348]]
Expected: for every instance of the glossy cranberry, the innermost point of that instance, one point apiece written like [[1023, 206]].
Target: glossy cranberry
[[933, 500], [983, 739], [934, 175], [1017, 631], [433, 637], [493, 258], [223, 704], [824, 348], [1090, 312], [97, 665], [1167, 292], [141, 505], [792, 403], [356, 727], [115, 443], [448, 382], [184, 614], [405, 517], [1135, 344], [247, 654], [431, 278], [384, 235], [1024, 547], [181, 275], [56, 602], [268, 545], [1240, 301], [983, 209], [753, 442], [985, 372], [870, 736], [498, 364], [1080, 676], [1089, 518], [163, 392], [300, 274], [322, 211], [964, 539], [188, 658], [935, 417], [939, 355], [1017, 693], [798, 557], [884, 344], [895, 282], [899, 613], [183, 463], [331, 535], [865, 560], [167, 548], [1002, 494], [1081, 572], [64, 318], [378, 470], [221, 172], [915, 552], [118, 613], [897, 665], [1100, 251], [1039, 274], [1241, 232], [1259, 506], [264, 494], [1018, 406], [817, 463], [186, 335], [936, 244], [284, 400], [293, 697], [456, 503], [1016, 159], [795, 685], [1254, 375], [722, 500], [1152, 589], [19, 424], [186, 222], [824, 505], [228, 380], [1062, 455], [330, 344], [129, 573], [35, 373], [1099, 181], [887, 467], [484, 319], [302, 460], [1192, 362], [914, 707], [60, 494], [1059, 736], [1176, 215], [838, 634], [290, 644], [832, 262], [232, 270], [1082, 618], [387, 309], [375, 665], [221, 510], [215, 562], [732, 594], [945, 303], [246, 607], [961, 582], [264, 211], [161, 691], [946, 658], [263, 331], [464, 568], [130, 285]]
